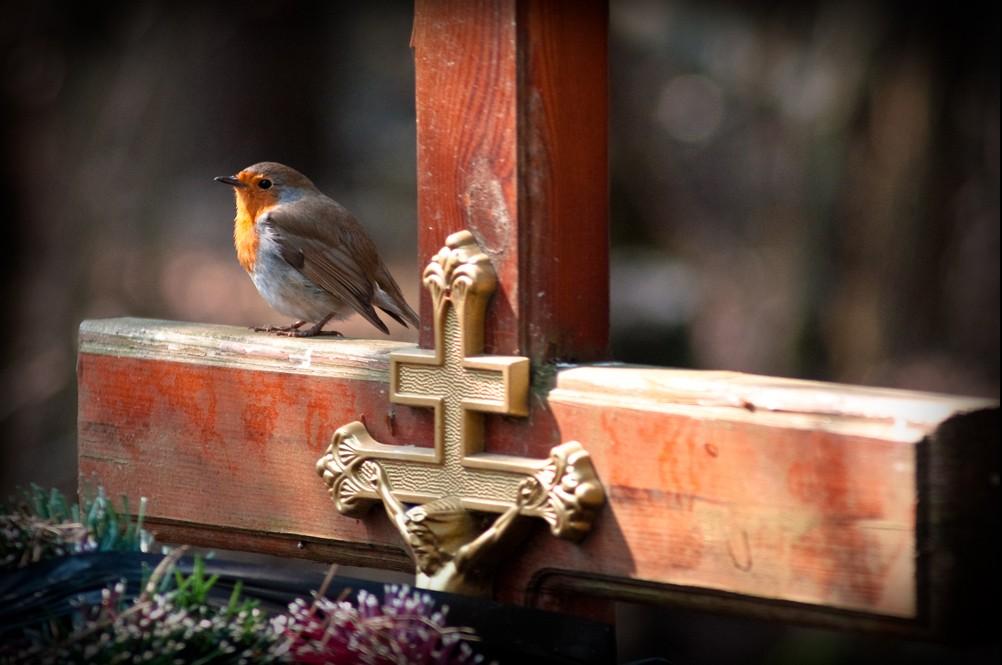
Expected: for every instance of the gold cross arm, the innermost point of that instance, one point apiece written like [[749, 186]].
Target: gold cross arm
[[460, 389]]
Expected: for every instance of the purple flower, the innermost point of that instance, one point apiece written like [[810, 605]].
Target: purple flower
[[405, 628]]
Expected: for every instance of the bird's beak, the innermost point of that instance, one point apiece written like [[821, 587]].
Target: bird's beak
[[229, 180]]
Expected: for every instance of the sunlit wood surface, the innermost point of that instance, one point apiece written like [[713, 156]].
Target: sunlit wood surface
[[804, 492]]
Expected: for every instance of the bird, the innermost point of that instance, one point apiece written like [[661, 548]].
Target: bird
[[309, 257]]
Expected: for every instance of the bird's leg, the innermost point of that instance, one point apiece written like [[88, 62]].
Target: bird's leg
[[314, 330], [280, 329]]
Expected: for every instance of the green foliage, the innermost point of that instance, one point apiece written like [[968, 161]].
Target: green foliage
[[180, 625], [171, 618], [42, 524], [193, 590]]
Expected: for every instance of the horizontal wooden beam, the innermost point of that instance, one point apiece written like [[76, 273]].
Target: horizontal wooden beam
[[836, 503]]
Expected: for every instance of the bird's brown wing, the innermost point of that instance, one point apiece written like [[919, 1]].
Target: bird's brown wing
[[337, 256]]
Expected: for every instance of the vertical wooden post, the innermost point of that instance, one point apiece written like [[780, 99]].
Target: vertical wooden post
[[512, 144]]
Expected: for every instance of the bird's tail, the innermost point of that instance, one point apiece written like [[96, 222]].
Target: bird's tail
[[389, 299]]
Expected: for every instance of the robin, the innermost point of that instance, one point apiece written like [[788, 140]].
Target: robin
[[307, 255]]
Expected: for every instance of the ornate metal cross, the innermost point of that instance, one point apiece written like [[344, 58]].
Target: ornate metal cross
[[461, 384]]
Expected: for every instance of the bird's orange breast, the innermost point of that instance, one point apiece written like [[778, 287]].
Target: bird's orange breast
[[245, 240], [245, 237]]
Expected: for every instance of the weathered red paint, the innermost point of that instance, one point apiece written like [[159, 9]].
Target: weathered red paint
[[734, 520], [776, 512], [512, 145]]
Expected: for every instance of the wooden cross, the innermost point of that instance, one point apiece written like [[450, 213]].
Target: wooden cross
[[789, 499]]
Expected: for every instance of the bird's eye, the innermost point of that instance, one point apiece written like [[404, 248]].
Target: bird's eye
[[264, 183]]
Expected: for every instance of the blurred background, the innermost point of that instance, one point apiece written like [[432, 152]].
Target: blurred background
[[805, 189]]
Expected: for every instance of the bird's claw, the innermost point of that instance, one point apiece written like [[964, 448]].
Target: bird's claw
[[295, 330], [280, 329], [308, 333]]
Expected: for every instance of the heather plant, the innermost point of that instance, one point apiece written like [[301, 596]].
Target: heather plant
[[170, 618], [403, 628], [170, 622], [43, 524], [182, 626]]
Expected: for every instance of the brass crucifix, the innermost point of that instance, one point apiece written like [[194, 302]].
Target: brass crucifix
[[456, 476]]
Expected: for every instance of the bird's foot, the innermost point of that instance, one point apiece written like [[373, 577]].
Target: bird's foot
[[310, 333], [315, 330], [280, 329]]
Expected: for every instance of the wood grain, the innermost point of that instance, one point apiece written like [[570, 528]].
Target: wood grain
[[773, 492], [511, 128]]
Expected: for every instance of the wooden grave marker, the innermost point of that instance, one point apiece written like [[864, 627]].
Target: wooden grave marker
[[764, 496]]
